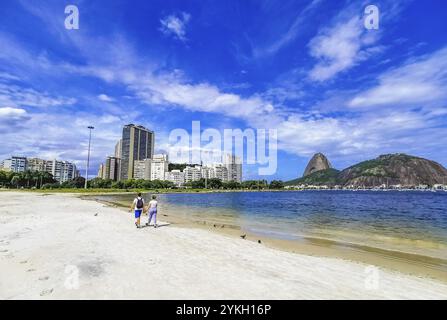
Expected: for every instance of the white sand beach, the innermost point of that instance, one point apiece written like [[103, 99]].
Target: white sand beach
[[58, 246]]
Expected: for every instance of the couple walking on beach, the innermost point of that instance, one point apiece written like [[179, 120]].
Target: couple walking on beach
[[139, 206]]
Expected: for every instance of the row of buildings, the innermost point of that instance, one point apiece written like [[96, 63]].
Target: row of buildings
[[134, 158], [61, 170]]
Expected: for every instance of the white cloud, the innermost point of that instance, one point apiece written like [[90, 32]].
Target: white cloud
[[8, 113], [105, 98], [203, 97], [341, 47], [14, 95], [292, 32], [175, 25], [11, 120], [421, 80]]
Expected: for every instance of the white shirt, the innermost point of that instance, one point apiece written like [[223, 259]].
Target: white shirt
[[135, 201], [153, 204]]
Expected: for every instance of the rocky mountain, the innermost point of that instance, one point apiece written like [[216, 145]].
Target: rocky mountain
[[393, 169], [389, 169], [317, 162]]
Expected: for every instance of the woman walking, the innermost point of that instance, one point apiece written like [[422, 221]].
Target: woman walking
[[152, 213]]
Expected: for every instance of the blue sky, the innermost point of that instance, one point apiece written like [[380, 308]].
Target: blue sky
[[309, 69]]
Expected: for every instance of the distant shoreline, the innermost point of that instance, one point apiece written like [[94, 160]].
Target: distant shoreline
[[192, 191]]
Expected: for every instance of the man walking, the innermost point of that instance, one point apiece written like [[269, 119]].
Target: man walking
[[138, 206]]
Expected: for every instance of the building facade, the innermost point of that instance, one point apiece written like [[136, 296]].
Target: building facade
[[159, 167], [112, 168], [220, 172], [137, 144], [101, 171], [142, 169], [15, 164], [36, 164], [61, 170], [118, 148], [192, 173], [234, 167], [176, 176]]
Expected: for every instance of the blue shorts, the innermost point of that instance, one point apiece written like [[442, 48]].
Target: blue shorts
[[138, 213]]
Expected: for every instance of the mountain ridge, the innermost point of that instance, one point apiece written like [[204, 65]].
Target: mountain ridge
[[385, 170]]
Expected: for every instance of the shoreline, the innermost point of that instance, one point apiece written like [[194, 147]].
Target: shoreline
[[45, 237], [394, 260]]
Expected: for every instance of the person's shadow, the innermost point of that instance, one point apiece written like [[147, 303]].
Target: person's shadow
[[163, 224]]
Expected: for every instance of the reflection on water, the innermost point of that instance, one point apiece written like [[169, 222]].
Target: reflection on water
[[414, 222]]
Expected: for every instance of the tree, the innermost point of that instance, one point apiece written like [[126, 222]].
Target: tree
[[214, 183], [4, 179], [198, 184], [254, 184], [98, 183], [232, 185], [17, 180], [276, 184]]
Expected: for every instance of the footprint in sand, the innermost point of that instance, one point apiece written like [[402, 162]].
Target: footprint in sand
[[46, 292], [24, 261], [4, 250], [44, 278], [30, 270]]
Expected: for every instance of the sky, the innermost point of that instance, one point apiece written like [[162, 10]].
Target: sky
[[308, 69]]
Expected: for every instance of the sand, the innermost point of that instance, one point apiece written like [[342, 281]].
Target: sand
[[58, 246]]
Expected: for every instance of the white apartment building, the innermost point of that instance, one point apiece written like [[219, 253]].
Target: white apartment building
[[207, 172], [118, 148], [101, 171], [15, 164], [159, 167], [142, 169], [36, 164], [192, 173], [61, 170], [176, 176], [220, 171]]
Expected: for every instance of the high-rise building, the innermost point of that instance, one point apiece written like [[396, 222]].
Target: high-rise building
[[159, 167], [101, 171], [142, 169], [112, 168], [234, 167], [118, 148], [15, 164], [137, 144]]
